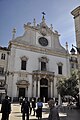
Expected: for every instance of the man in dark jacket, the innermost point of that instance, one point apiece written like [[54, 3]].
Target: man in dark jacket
[[25, 109], [33, 105], [5, 109]]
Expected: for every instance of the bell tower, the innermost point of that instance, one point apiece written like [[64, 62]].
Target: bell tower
[[76, 14]]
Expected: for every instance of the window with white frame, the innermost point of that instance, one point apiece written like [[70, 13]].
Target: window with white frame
[[43, 66], [1, 70], [43, 63], [23, 62], [60, 65], [3, 56]]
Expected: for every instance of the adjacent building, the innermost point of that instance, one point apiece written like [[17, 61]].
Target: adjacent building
[[3, 68], [76, 14]]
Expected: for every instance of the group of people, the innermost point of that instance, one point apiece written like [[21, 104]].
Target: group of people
[[27, 107]]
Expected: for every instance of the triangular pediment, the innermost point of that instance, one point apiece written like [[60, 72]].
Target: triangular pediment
[[22, 82]]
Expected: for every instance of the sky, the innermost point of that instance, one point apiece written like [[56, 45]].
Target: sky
[[16, 13]]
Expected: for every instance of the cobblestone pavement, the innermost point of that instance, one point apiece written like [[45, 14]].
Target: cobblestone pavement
[[64, 113]]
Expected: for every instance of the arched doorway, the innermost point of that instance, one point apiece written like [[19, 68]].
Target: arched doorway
[[44, 89]]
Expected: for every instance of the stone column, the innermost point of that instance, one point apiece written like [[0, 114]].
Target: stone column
[[17, 93], [34, 88], [38, 88], [12, 88], [51, 89], [27, 92]]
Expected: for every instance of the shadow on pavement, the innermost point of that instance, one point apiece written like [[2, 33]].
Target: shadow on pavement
[[41, 119]]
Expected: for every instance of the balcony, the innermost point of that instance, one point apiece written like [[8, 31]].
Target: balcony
[[38, 74]]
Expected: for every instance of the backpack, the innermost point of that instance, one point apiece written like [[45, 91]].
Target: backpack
[[39, 104]]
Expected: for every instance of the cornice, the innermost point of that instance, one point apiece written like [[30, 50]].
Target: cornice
[[76, 12], [37, 49]]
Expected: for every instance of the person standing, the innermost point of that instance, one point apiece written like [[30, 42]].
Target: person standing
[[5, 108], [20, 100], [25, 109], [33, 106], [39, 109], [53, 115], [30, 107]]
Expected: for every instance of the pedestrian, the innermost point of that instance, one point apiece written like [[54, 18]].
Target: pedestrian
[[20, 100], [33, 105], [53, 115], [30, 107], [5, 108], [39, 109], [25, 109]]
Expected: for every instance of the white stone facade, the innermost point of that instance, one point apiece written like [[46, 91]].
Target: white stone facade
[[45, 59]]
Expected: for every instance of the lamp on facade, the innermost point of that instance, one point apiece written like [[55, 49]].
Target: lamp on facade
[[73, 52]]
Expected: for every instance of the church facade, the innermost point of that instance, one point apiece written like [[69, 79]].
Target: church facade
[[36, 62]]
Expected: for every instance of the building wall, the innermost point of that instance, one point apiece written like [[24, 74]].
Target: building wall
[[32, 64]]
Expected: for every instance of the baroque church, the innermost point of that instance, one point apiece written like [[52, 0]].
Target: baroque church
[[35, 62]]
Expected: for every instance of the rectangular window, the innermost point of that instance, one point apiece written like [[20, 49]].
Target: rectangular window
[[72, 65], [23, 65], [3, 56], [1, 70], [59, 69], [43, 66]]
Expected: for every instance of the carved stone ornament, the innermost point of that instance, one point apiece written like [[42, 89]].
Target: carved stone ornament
[[22, 83], [43, 31]]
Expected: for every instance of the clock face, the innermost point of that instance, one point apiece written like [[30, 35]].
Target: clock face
[[43, 41]]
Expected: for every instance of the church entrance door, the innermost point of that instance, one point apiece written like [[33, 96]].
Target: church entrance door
[[44, 89], [21, 92]]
